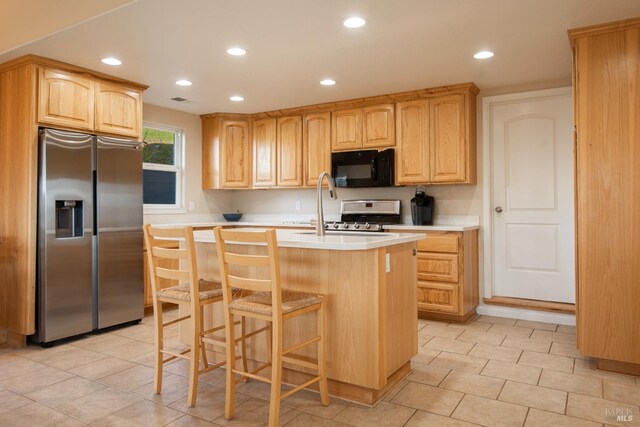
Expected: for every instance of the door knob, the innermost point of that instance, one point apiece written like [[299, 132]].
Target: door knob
[[498, 209]]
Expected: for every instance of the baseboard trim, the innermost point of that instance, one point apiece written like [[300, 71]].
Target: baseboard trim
[[525, 314], [531, 304], [620, 367], [454, 318]]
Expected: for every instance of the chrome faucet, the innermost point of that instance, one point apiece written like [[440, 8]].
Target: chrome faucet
[[319, 211]]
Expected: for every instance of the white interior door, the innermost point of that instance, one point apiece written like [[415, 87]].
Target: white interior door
[[533, 193]]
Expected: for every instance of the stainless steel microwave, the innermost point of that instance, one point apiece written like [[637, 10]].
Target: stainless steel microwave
[[364, 168]]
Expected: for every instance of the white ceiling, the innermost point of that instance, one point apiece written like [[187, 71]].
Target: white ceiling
[[293, 44]]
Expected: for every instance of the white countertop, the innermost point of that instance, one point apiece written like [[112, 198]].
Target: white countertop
[[300, 224], [346, 241]]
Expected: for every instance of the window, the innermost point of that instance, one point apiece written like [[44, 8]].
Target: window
[[162, 169]]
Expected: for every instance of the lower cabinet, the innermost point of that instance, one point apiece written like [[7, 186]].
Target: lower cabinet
[[167, 263], [447, 275]]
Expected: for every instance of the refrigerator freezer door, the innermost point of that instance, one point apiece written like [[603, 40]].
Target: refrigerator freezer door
[[120, 242], [65, 226]]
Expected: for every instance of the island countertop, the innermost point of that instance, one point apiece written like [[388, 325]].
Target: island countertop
[[338, 241]]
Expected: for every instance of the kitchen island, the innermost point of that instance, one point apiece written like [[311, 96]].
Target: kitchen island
[[368, 281]]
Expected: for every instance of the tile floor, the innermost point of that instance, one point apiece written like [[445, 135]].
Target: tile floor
[[492, 371]]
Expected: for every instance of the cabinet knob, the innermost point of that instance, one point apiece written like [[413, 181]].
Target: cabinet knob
[[498, 209]]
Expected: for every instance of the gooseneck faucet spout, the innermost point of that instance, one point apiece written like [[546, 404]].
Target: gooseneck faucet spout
[[319, 210]]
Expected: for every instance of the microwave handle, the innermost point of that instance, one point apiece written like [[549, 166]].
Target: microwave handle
[[374, 169]]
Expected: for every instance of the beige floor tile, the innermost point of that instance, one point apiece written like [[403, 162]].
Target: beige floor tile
[[384, 414], [423, 339], [537, 325], [460, 362], [38, 354], [425, 355], [103, 368], [494, 352], [31, 381], [209, 405], [308, 420], [189, 421], [255, 412], [31, 415], [564, 349], [99, 404], [481, 337], [546, 361], [497, 320], [67, 422], [567, 329], [534, 397], [101, 342], [392, 393], [480, 385], [539, 345], [174, 388], [74, 357], [511, 371], [622, 392], [129, 350], [538, 418], [10, 401], [427, 374], [449, 344], [600, 410], [475, 326], [427, 419], [511, 331], [587, 367], [571, 382], [309, 401], [554, 336], [441, 330], [130, 379], [428, 398], [490, 412], [65, 392], [15, 366], [141, 414]]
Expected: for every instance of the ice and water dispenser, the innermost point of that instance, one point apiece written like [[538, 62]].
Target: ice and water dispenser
[[69, 218]]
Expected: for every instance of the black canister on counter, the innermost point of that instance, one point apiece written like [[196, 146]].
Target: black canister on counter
[[422, 207]]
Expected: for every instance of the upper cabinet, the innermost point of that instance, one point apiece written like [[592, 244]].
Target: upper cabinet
[[346, 130], [317, 146], [226, 151], [65, 100], [289, 149], [264, 153], [448, 145], [412, 156], [379, 126], [118, 110], [71, 101]]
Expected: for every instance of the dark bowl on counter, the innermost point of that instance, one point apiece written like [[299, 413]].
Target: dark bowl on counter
[[232, 216]]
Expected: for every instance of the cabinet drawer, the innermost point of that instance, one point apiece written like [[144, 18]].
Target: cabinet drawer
[[438, 267], [445, 242], [441, 297]]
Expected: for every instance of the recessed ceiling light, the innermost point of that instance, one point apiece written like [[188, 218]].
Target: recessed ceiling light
[[483, 54], [327, 82], [236, 98], [183, 83], [111, 61], [354, 22], [236, 51]]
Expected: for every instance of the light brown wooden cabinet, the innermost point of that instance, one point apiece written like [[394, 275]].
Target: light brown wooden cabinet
[[74, 102], [346, 130], [226, 151], [317, 146], [412, 128], [606, 63], [379, 126], [264, 153], [363, 128], [448, 285], [448, 145], [289, 151]]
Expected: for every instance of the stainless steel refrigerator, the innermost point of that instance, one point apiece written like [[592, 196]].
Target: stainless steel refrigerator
[[90, 242]]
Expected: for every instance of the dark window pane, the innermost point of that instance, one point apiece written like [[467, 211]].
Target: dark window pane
[[158, 187], [159, 146]]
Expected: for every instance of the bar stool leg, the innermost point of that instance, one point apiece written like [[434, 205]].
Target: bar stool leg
[[276, 373], [231, 362], [194, 360], [324, 389], [159, 344], [203, 350], [243, 347]]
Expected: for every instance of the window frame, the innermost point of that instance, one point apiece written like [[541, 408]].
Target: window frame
[[178, 168]]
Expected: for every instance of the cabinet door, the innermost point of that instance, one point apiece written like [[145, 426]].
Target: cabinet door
[[438, 267], [412, 156], [118, 110], [346, 130], [290, 151], [264, 153], [235, 154], [379, 126], [317, 146], [65, 100], [448, 144], [440, 297]]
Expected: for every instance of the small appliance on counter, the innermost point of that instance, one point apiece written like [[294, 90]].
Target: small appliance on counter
[[422, 207]]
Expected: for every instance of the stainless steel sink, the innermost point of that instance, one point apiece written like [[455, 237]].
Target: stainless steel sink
[[342, 233]]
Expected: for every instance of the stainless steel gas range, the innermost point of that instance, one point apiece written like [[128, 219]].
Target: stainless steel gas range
[[366, 215]]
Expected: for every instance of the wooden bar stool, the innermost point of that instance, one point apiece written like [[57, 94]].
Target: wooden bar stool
[[269, 303], [208, 293]]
